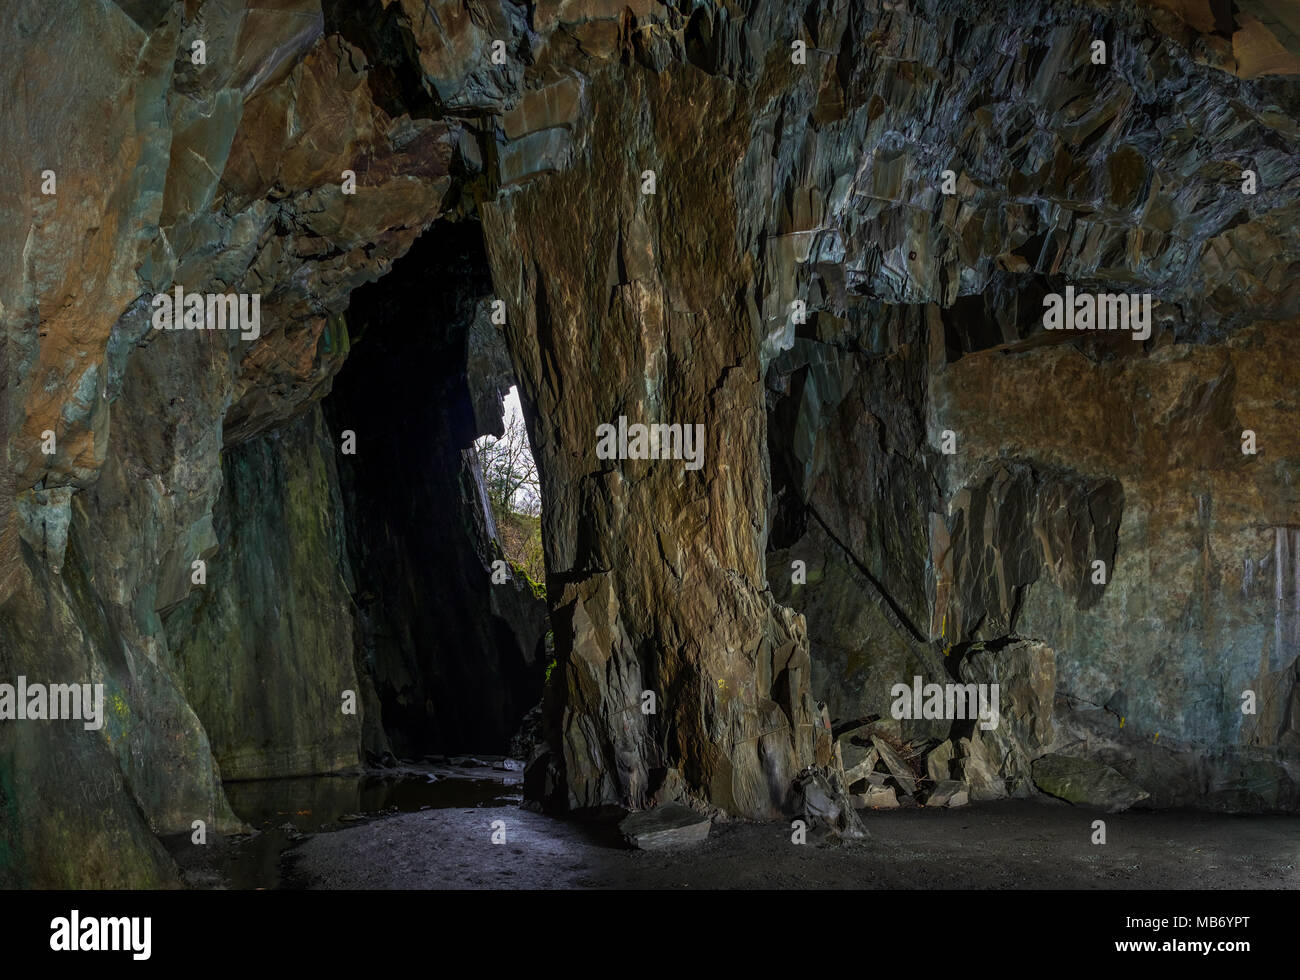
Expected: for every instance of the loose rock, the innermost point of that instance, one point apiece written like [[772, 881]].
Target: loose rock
[[670, 825], [1086, 782]]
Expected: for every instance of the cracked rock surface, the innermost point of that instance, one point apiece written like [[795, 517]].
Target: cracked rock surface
[[774, 182]]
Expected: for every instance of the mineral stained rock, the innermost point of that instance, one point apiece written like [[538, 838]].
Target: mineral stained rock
[[1087, 782], [904, 474]]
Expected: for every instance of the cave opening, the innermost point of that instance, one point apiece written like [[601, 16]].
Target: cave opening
[[514, 491], [442, 506]]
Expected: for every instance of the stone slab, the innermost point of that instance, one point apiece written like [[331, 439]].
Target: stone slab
[[670, 825]]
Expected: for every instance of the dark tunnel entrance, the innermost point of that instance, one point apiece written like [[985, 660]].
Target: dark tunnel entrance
[[457, 659]]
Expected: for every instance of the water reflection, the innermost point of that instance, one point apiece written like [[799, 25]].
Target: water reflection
[[283, 811]]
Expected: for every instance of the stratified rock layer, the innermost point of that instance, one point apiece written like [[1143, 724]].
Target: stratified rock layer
[[130, 453]]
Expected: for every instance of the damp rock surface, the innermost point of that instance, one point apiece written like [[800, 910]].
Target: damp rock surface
[[911, 478]]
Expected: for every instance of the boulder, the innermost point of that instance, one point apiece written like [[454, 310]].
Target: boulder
[[670, 825], [944, 792], [858, 761], [977, 771], [1086, 782], [938, 762]]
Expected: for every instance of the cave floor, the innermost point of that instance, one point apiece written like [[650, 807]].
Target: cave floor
[[1005, 845]]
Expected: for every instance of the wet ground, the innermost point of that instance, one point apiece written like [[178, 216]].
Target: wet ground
[[462, 827], [1012, 844], [284, 813], [447, 827]]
